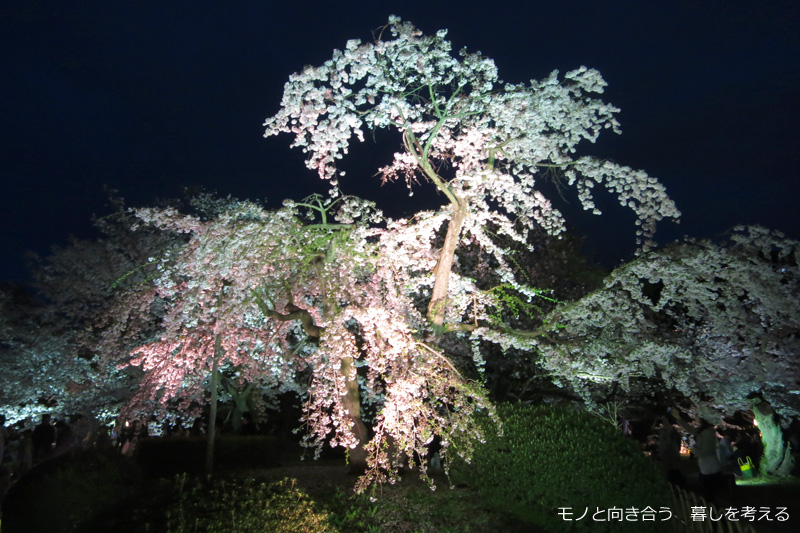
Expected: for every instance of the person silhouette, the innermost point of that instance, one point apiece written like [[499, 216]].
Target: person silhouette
[[706, 453], [44, 438]]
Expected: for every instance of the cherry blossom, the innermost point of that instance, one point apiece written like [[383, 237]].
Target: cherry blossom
[[305, 290], [483, 143], [326, 298], [716, 322], [92, 305]]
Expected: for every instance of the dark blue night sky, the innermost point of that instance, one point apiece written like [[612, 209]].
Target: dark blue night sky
[[150, 97]]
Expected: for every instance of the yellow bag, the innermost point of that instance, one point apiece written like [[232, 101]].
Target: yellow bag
[[747, 468]]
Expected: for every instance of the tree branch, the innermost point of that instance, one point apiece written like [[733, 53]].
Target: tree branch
[[294, 313]]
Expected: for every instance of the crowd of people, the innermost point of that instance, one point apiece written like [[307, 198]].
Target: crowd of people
[[716, 453]]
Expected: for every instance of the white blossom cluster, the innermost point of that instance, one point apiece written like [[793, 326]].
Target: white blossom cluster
[[41, 375], [33, 369], [462, 115], [59, 355], [717, 322]]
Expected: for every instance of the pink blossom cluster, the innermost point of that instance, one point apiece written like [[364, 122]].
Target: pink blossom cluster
[[350, 287]]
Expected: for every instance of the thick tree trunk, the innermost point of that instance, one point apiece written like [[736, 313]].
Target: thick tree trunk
[[438, 303], [777, 459], [351, 400]]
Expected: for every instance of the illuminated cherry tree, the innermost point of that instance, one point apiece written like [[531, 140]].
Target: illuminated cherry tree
[[483, 144], [99, 290], [718, 323], [60, 350], [33, 380], [300, 299], [326, 298]]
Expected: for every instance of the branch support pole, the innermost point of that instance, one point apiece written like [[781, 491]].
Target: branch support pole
[[212, 417]]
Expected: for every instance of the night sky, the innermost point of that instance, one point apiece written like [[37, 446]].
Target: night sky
[[150, 97]]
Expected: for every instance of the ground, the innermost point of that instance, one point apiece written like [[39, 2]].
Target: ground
[[407, 506]]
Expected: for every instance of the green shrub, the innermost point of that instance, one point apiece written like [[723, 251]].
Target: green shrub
[[81, 491], [240, 506], [554, 457]]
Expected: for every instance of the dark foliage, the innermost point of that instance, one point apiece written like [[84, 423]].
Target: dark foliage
[[552, 457], [85, 491]]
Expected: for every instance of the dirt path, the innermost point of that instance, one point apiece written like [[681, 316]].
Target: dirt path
[[771, 496]]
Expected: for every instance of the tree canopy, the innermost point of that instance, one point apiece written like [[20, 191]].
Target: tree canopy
[[717, 323], [482, 143]]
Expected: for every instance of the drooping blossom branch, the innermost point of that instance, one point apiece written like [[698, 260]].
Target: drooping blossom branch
[[718, 322]]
